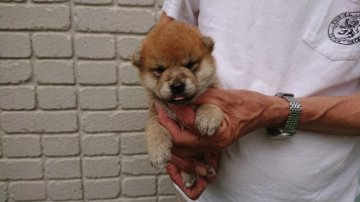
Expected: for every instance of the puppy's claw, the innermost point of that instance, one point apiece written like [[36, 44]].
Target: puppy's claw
[[208, 119], [189, 184], [207, 125], [211, 170]]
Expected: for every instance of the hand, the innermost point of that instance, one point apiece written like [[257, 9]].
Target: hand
[[244, 111], [182, 161], [189, 165]]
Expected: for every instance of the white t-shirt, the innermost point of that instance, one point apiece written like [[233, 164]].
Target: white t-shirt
[[307, 47]]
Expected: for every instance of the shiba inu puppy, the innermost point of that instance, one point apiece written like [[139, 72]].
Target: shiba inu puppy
[[176, 66]]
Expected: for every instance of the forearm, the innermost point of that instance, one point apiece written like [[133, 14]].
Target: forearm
[[333, 115]]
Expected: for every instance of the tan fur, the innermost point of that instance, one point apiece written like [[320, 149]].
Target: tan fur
[[171, 48]]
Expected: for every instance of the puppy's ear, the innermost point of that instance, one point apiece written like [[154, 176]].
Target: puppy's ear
[[208, 42], [136, 58]]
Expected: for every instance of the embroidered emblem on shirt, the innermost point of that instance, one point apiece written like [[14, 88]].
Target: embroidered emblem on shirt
[[345, 28]]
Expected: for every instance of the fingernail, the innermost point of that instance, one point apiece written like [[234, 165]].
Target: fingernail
[[201, 171]]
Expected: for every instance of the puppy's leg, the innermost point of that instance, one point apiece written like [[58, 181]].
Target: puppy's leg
[[158, 141], [208, 119], [188, 179]]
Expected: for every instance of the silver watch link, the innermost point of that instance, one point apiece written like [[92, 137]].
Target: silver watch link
[[289, 129]]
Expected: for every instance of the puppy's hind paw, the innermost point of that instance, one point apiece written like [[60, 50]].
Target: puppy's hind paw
[[188, 179]]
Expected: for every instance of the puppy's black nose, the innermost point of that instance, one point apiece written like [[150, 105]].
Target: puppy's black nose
[[177, 88]]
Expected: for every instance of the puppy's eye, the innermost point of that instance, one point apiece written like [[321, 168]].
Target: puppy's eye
[[158, 70], [190, 64]]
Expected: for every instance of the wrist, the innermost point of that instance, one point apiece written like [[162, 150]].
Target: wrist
[[277, 112]]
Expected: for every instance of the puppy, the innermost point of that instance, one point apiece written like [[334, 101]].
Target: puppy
[[176, 66]]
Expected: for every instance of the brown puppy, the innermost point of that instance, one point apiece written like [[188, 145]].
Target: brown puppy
[[176, 66]]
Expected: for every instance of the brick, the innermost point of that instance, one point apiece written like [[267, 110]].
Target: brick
[[136, 2], [107, 144], [93, 2], [133, 143], [27, 191], [139, 186], [127, 45], [160, 2], [15, 98], [90, 46], [56, 97], [49, 1], [97, 73], [14, 169], [137, 165], [59, 145], [167, 199], [102, 189], [3, 192], [12, 0], [14, 71], [22, 146], [129, 74], [97, 167], [34, 17], [48, 45], [54, 72], [165, 185], [21, 122], [1, 143], [64, 190], [64, 168], [114, 121], [139, 199], [14, 45], [133, 98], [98, 98], [114, 20]]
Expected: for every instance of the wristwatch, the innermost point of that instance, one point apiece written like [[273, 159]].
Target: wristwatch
[[289, 129]]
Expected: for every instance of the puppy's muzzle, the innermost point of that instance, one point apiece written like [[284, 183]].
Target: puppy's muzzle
[[177, 88]]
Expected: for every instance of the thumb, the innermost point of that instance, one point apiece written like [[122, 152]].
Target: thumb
[[185, 114]]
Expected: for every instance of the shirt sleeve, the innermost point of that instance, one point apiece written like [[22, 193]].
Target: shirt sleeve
[[182, 10]]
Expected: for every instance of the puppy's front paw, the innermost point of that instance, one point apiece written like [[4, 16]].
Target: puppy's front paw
[[159, 157], [208, 119]]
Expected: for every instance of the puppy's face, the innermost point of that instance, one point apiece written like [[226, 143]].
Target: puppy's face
[[175, 62]]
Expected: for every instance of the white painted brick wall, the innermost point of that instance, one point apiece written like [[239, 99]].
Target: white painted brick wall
[[72, 111]]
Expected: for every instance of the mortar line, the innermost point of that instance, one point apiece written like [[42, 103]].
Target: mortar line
[[77, 92]]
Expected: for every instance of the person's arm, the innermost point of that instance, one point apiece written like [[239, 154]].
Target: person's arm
[[332, 115], [328, 114], [245, 111]]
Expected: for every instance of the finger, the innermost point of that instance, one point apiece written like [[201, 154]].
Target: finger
[[193, 192], [179, 135], [175, 174], [185, 151], [189, 165], [205, 97], [185, 114], [166, 121], [213, 161], [197, 189]]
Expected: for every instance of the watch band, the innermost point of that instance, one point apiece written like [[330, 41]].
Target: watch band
[[289, 129]]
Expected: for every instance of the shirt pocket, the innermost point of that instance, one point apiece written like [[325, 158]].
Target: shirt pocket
[[333, 29]]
